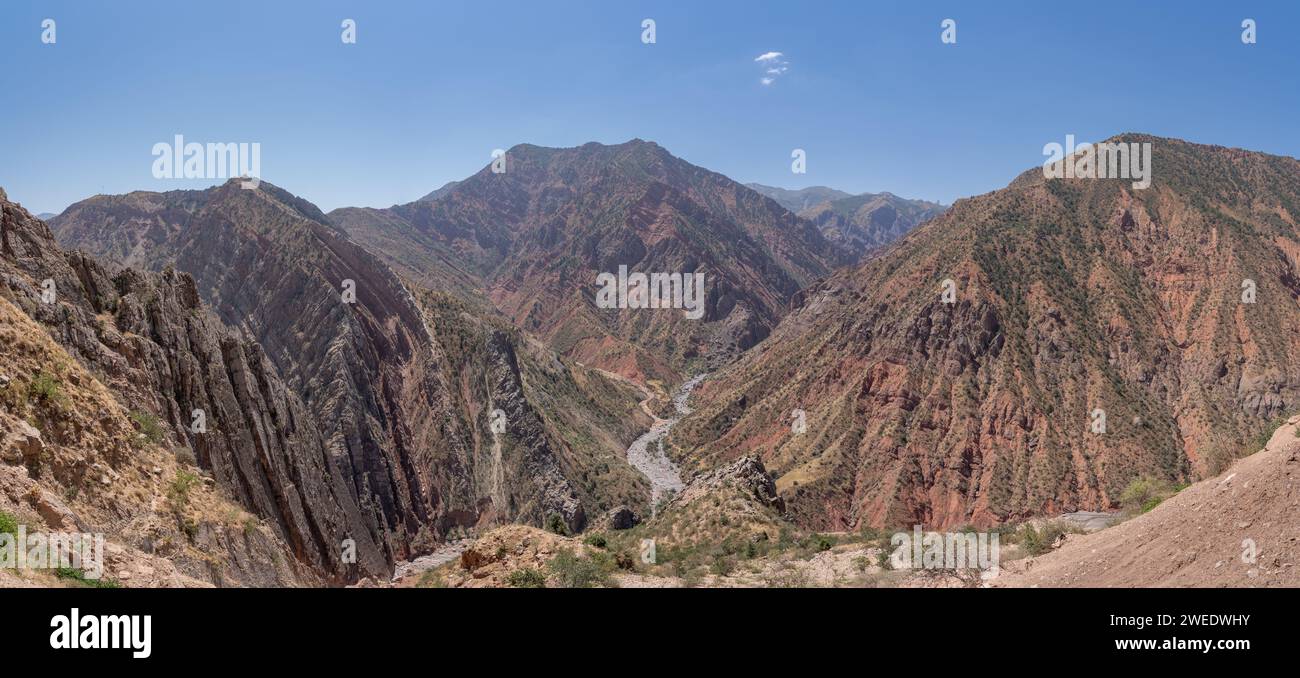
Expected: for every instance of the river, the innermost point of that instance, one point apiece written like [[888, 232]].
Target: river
[[646, 454]]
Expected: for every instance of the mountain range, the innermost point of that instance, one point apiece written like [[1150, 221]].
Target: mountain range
[[378, 384], [858, 224], [530, 242]]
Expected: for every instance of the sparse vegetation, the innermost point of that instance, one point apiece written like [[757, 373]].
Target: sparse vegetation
[[47, 389], [1145, 493], [1035, 541], [78, 575], [574, 572], [820, 542], [8, 523], [792, 578], [555, 524], [178, 493], [185, 457], [149, 426], [431, 580], [527, 578]]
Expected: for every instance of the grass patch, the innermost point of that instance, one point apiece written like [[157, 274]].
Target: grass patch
[[47, 389], [178, 493], [149, 426], [78, 575], [574, 572], [8, 524]]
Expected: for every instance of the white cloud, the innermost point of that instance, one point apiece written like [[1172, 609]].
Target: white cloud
[[774, 65]]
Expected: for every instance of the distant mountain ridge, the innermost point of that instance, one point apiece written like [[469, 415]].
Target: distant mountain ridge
[[859, 224], [800, 199]]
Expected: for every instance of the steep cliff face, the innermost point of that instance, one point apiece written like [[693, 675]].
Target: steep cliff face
[[544, 436], [372, 364], [535, 237], [1072, 300], [146, 337]]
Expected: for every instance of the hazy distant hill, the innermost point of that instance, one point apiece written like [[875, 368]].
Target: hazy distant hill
[[801, 199]]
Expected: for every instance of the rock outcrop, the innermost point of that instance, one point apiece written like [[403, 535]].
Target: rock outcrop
[[147, 337], [746, 475]]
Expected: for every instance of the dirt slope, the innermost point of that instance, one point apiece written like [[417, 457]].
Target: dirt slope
[[1194, 538]]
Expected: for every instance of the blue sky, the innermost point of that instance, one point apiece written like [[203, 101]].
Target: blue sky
[[430, 88]]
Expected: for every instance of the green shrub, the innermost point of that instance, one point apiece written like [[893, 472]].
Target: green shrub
[[149, 426], [179, 491], [1138, 492], [596, 540], [820, 542], [555, 523], [8, 524], [47, 389], [1032, 541], [1037, 541], [527, 578], [78, 575], [886, 547], [576, 573]]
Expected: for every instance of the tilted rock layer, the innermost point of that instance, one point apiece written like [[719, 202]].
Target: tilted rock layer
[[385, 377]]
